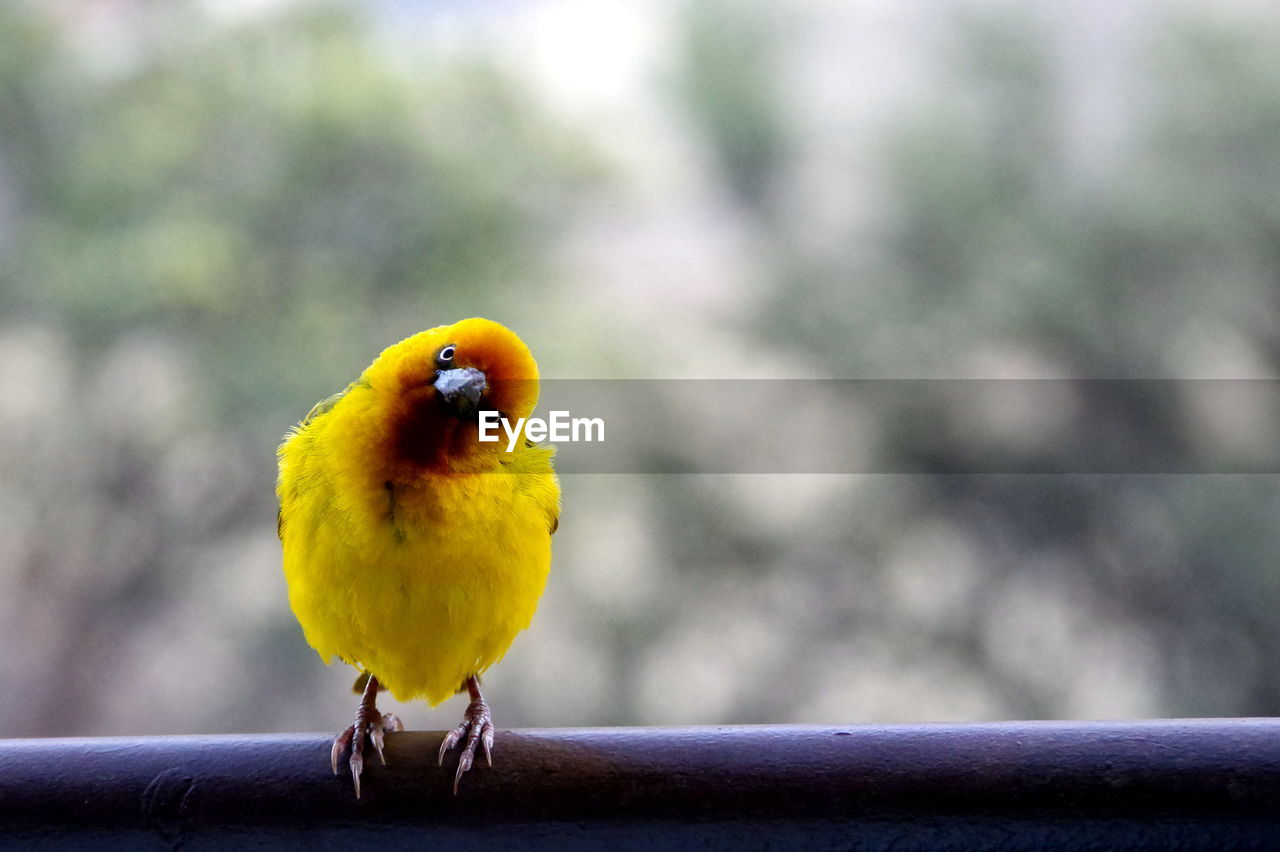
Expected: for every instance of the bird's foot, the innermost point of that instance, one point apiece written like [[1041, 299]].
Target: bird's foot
[[477, 728], [369, 724]]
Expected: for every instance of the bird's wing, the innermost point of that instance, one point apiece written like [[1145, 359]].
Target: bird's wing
[[320, 408], [555, 510], [535, 459], [326, 404]]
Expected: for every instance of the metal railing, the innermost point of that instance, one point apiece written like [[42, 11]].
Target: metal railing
[[1210, 784]]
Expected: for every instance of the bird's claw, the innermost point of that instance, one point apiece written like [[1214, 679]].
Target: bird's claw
[[374, 726], [477, 727], [356, 762], [340, 743], [389, 723]]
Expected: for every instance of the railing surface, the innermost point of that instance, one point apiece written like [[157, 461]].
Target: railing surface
[[1206, 784]]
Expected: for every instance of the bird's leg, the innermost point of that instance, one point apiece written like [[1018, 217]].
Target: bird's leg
[[369, 723], [477, 727]]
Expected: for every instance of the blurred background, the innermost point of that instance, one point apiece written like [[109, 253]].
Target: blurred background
[[213, 214]]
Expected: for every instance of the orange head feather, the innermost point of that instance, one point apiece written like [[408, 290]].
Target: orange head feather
[[428, 432]]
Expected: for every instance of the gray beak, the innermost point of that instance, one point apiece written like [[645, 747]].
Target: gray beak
[[461, 388]]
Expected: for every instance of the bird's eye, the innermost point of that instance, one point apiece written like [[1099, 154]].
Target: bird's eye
[[444, 358]]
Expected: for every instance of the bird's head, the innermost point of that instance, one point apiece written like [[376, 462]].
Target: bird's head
[[435, 383]]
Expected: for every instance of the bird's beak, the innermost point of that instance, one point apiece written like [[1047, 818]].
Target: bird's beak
[[461, 388]]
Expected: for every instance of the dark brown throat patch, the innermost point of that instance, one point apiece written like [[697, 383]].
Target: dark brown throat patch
[[428, 435]]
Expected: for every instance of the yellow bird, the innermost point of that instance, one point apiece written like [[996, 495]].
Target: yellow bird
[[413, 550]]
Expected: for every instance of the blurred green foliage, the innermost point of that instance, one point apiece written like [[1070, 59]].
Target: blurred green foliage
[[730, 53], [1007, 241], [211, 223], [276, 192], [207, 223]]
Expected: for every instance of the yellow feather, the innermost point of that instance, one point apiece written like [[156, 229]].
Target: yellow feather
[[419, 570]]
